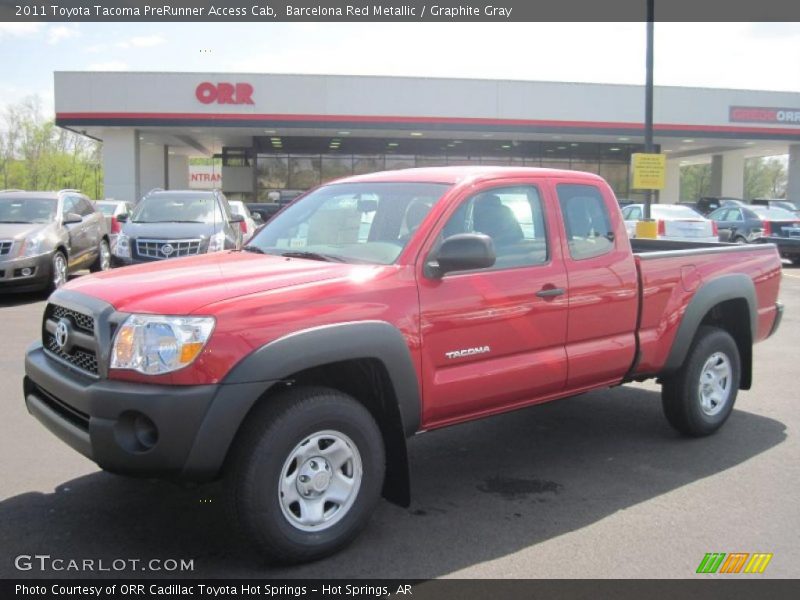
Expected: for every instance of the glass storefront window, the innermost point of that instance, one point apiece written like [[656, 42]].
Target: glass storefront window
[[304, 172], [590, 166], [334, 167], [367, 164], [431, 161], [394, 161], [616, 174], [273, 172]]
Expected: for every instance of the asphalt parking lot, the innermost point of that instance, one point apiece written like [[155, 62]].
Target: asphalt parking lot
[[594, 486]]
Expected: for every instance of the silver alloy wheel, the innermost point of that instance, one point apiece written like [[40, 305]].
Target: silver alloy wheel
[[715, 383], [59, 270], [105, 256], [319, 481]]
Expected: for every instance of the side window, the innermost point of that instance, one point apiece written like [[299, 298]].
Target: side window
[[586, 220], [735, 214], [70, 205], [513, 217], [84, 207], [633, 213]]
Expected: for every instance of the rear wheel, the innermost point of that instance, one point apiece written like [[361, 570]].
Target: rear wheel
[[306, 474], [739, 240], [700, 396], [103, 261]]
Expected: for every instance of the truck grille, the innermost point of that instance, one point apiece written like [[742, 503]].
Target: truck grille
[[161, 249], [80, 351], [5, 246]]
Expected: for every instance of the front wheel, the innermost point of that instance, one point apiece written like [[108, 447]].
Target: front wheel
[[699, 397], [306, 473], [59, 271]]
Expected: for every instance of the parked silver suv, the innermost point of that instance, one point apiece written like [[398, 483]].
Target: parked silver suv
[[44, 236]]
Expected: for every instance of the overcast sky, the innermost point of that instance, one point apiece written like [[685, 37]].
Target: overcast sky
[[761, 56]]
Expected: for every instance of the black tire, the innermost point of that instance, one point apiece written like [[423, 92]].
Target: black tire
[[103, 260], [273, 434], [58, 263], [681, 394]]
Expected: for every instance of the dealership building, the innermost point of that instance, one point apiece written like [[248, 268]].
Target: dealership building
[[291, 132]]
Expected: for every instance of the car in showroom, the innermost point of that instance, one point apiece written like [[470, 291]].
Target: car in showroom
[[112, 210], [675, 222], [176, 223], [46, 236], [745, 224]]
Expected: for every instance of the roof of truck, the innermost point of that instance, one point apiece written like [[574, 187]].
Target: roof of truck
[[460, 174]]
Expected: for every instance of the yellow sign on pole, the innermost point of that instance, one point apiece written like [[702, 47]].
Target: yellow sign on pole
[[649, 171]]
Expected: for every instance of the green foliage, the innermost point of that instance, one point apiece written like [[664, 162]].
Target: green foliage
[[695, 182], [765, 178], [37, 155]]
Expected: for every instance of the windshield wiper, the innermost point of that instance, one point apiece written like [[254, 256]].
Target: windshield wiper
[[255, 249], [312, 256]]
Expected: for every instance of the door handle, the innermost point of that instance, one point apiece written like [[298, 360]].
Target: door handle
[[551, 292]]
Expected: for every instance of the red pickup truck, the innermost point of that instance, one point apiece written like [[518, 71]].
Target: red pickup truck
[[378, 307]]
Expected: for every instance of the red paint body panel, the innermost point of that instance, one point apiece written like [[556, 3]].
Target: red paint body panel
[[540, 348]]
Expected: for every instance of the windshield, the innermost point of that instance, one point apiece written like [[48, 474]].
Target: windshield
[[28, 210], [777, 214], [350, 222], [177, 208]]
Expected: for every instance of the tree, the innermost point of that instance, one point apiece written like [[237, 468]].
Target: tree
[[695, 182], [37, 155], [765, 177]]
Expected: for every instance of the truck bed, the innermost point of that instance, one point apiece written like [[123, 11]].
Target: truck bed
[[671, 272]]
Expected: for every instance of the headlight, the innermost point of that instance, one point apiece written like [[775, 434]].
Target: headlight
[[216, 242], [154, 344], [31, 246], [123, 247]]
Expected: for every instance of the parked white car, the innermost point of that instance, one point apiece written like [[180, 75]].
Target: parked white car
[[249, 225], [675, 222]]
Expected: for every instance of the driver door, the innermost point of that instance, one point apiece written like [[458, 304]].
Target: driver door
[[494, 338]]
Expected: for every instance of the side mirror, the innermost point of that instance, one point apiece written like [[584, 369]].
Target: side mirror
[[257, 218], [237, 219], [463, 252], [123, 218], [71, 218]]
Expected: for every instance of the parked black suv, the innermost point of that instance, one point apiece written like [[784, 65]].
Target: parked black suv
[[172, 224], [44, 236]]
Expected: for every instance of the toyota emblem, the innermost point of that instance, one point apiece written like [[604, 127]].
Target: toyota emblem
[[62, 334], [167, 249]]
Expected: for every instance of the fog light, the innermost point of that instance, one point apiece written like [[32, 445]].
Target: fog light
[[135, 432], [27, 271]]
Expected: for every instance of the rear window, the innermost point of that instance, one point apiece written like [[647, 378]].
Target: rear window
[[776, 214], [671, 211], [107, 209]]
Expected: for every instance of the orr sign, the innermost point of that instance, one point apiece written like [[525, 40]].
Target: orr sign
[[224, 93], [760, 114]]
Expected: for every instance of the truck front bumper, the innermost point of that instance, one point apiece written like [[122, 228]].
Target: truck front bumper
[[136, 429]]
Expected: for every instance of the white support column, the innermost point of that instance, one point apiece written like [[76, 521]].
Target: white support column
[[793, 185], [672, 188], [178, 172], [121, 164], [152, 172], [733, 174]]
